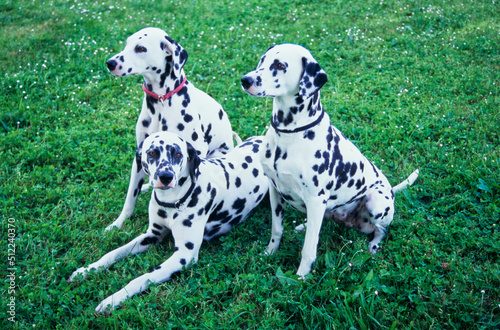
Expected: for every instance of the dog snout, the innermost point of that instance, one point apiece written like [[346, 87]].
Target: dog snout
[[111, 64], [247, 82], [166, 177]]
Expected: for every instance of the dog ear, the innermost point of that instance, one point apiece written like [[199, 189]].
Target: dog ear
[[138, 159], [179, 55], [193, 160], [312, 79]]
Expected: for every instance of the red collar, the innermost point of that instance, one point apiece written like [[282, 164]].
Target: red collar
[[162, 98]]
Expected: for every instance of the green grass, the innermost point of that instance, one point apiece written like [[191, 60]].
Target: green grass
[[415, 84]]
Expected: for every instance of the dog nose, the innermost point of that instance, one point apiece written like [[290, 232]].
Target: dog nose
[[111, 65], [246, 82], [166, 177]]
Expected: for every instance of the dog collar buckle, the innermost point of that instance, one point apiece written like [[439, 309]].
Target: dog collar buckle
[[162, 98], [179, 206]]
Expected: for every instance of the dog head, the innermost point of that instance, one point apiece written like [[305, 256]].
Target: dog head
[[285, 69], [168, 160], [149, 52]]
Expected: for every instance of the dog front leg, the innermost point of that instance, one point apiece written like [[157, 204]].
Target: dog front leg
[[315, 214], [278, 210], [187, 245], [137, 176], [137, 245]]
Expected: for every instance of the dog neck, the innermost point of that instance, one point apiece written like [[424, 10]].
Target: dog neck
[[292, 113], [166, 96], [175, 198], [164, 82]]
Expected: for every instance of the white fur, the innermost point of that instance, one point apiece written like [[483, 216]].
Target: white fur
[[193, 198], [315, 169], [191, 113]]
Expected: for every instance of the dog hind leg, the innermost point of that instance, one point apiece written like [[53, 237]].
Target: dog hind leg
[[277, 208], [377, 216]]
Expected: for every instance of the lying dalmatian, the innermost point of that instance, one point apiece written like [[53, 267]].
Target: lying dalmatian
[[193, 198], [310, 164], [171, 103]]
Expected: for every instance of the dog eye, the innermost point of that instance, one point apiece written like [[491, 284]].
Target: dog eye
[[280, 66], [140, 49], [152, 153], [177, 155]]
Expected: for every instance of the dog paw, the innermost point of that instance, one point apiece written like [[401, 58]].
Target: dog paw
[[302, 277], [111, 227], [78, 274], [145, 187], [373, 248], [105, 307], [272, 247], [300, 228], [267, 253], [302, 272], [112, 302]]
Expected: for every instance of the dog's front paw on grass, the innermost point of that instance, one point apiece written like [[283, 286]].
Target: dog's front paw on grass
[[80, 274]]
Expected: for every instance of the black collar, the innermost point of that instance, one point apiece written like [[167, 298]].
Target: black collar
[[299, 129], [178, 204]]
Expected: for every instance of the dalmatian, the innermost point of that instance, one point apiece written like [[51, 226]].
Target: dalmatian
[[193, 198], [309, 162], [171, 103]]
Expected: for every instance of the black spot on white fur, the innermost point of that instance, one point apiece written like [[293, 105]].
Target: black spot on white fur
[[322, 161]]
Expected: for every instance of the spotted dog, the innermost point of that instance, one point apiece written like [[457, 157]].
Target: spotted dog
[[310, 164], [171, 103], [193, 198]]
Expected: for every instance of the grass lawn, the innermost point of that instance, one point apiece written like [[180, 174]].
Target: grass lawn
[[414, 84]]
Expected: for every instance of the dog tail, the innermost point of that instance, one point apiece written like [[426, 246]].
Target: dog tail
[[408, 182], [237, 138]]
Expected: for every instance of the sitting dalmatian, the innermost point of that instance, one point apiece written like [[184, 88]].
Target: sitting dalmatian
[[171, 103], [193, 198], [309, 162]]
